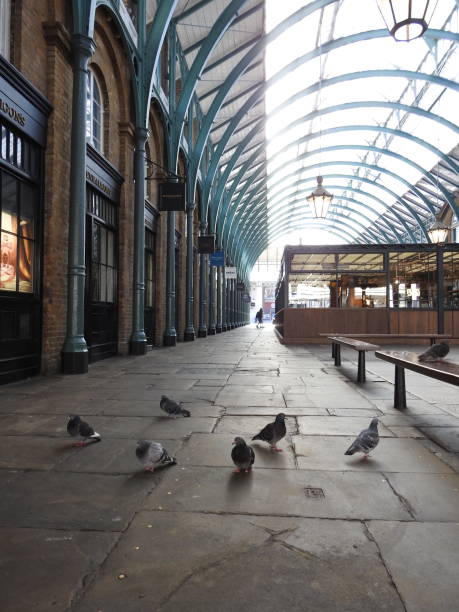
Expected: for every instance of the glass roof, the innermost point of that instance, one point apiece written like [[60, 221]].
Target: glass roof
[[370, 114]]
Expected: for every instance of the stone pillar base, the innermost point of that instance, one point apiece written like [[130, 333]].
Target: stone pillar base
[[170, 340], [75, 363], [218, 329], [211, 331], [202, 333], [138, 347], [189, 336]]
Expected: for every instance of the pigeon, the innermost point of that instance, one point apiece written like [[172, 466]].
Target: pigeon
[[435, 352], [153, 454], [170, 407], [242, 455], [76, 426], [273, 432], [366, 441]]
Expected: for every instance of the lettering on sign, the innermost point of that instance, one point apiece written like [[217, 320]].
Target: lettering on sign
[[96, 181], [12, 112]]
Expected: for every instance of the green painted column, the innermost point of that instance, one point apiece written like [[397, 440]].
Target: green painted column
[[189, 330], [202, 329], [224, 301], [75, 350], [138, 341], [211, 330], [218, 326], [170, 334]]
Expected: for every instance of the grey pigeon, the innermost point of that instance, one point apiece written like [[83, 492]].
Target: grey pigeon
[[242, 455], [153, 454], [273, 432], [366, 441], [75, 427], [170, 407], [435, 352]]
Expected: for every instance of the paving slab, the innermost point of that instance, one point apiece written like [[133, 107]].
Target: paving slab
[[414, 406], [169, 428], [42, 569], [337, 426], [154, 395], [215, 450], [270, 410], [354, 412], [446, 437], [52, 500], [26, 452], [299, 400], [423, 559], [111, 456], [251, 399], [406, 432], [432, 497], [277, 492], [391, 455], [249, 426], [331, 397]]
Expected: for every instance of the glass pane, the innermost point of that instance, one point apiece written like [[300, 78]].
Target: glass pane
[[8, 255], [361, 261], [451, 280], [4, 142], [26, 266], [95, 242], [362, 291], [110, 248], [103, 283], [312, 290], [103, 245], [95, 282], [110, 285], [9, 219], [27, 210], [313, 261], [413, 280]]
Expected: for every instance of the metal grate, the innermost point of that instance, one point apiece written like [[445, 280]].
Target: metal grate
[[314, 492]]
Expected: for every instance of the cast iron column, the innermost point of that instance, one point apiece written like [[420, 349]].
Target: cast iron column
[[75, 350], [211, 300], [219, 300], [138, 342], [189, 330], [202, 329], [440, 292], [224, 309], [170, 334]]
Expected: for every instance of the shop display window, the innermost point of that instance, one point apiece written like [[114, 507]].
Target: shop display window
[[17, 220], [413, 282], [451, 280]]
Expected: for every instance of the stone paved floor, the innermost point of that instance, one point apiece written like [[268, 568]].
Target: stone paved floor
[[309, 529]]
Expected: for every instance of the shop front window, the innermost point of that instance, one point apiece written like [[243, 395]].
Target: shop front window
[[17, 206], [451, 280], [413, 280], [362, 290]]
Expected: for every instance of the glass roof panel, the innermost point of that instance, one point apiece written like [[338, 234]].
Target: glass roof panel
[[311, 131]]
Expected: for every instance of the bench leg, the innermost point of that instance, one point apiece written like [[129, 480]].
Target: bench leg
[[399, 389], [361, 369], [333, 349], [432, 341], [337, 355]]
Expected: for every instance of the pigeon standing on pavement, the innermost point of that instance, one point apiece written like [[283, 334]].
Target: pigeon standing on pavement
[[366, 441], [170, 407], [76, 426], [242, 455], [153, 454], [435, 353], [273, 432]]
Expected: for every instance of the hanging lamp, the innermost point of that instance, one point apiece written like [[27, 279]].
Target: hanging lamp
[[320, 200], [407, 19]]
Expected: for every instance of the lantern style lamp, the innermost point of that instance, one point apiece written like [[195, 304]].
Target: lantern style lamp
[[319, 200], [407, 19], [438, 232]]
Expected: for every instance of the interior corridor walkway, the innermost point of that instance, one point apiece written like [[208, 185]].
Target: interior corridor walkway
[[309, 529]]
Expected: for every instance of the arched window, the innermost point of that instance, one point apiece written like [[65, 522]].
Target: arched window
[[94, 113], [5, 15]]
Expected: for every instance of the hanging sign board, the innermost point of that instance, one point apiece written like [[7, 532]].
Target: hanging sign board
[[230, 272], [171, 197], [206, 244], [217, 258], [246, 297]]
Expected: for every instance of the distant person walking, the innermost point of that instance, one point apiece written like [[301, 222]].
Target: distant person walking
[[259, 318]]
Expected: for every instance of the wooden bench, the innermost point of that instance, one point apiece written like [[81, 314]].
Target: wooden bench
[[446, 371], [357, 345], [432, 337]]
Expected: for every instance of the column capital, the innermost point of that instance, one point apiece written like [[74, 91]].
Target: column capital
[[83, 46]]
